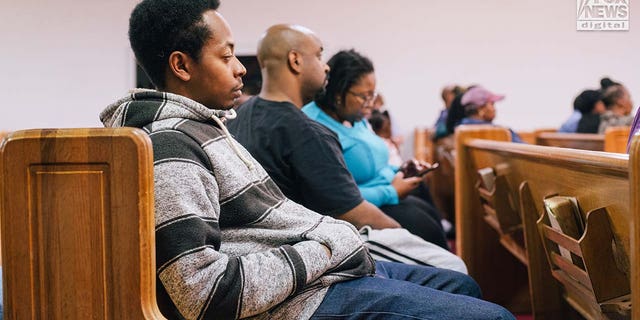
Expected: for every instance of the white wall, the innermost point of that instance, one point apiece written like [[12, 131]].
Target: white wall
[[60, 68], [63, 61]]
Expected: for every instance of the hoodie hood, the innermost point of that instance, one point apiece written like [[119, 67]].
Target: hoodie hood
[[142, 107]]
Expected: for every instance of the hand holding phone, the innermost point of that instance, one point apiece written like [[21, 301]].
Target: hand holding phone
[[415, 168]]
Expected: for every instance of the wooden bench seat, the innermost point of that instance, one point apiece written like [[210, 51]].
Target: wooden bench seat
[[77, 224]]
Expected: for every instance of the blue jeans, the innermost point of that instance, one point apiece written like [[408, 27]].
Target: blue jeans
[[400, 291]]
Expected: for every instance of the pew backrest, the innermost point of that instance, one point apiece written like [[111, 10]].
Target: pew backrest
[[530, 136], [584, 141], [77, 224]]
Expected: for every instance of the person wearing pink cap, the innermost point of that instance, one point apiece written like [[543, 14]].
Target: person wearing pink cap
[[478, 104]]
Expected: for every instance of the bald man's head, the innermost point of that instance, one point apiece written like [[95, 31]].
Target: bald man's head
[[279, 40], [290, 56]]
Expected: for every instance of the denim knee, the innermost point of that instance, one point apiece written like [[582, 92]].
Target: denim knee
[[497, 313], [461, 283]]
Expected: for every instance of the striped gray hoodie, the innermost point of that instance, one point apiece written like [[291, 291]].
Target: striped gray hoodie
[[228, 243]]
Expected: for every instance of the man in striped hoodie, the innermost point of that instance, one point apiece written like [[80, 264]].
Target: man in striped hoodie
[[229, 244]]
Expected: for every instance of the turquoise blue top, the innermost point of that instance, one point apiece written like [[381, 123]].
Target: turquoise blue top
[[365, 154]]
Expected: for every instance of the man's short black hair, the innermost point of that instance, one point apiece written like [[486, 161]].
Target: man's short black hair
[[159, 27], [347, 67]]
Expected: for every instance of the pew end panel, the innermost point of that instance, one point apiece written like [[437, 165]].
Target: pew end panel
[[634, 194], [77, 224], [615, 139], [3, 134]]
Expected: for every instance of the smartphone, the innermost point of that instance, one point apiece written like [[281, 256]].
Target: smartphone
[[426, 170], [413, 168]]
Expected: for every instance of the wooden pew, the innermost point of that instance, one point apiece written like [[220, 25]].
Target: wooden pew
[[530, 136], [584, 141], [615, 139], [634, 173], [77, 224], [530, 174], [3, 134]]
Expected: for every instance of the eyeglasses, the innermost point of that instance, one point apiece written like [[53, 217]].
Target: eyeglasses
[[364, 97]]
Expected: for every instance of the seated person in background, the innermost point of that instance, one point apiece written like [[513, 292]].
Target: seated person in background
[[455, 113], [395, 133], [229, 244], [381, 124], [478, 105], [448, 94], [617, 100], [590, 104], [347, 100], [571, 124]]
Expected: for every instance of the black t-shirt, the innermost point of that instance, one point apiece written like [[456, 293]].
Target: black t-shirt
[[302, 156]]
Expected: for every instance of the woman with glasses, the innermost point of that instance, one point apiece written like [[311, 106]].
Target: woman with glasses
[[343, 107]]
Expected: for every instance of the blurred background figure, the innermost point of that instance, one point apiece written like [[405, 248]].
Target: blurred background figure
[[477, 105], [589, 103], [380, 122], [618, 104], [383, 126], [448, 94], [571, 124]]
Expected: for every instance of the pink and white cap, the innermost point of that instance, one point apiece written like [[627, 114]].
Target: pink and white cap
[[479, 96]]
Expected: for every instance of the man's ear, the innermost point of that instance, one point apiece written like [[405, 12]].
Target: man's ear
[[180, 65], [295, 61]]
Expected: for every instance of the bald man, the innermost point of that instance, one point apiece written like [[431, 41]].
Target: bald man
[[302, 156]]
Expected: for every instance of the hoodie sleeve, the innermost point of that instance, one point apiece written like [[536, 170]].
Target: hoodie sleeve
[[201, 281]]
